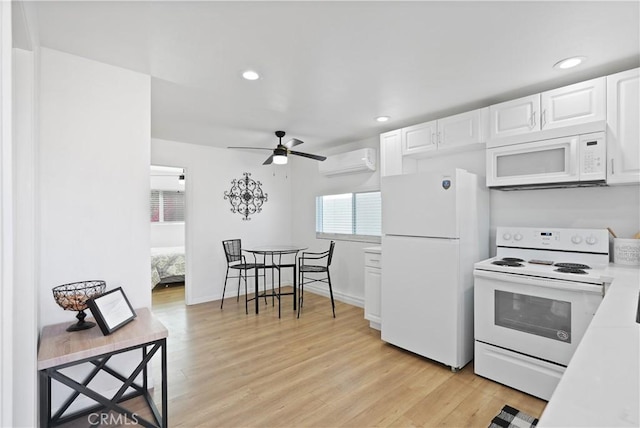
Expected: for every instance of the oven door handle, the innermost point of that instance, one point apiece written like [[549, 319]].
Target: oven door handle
[[556, 284]]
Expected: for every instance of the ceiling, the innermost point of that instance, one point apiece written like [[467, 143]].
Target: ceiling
[[330, 67]]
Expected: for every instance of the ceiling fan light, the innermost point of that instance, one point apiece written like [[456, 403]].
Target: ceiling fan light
[[280, 155], [280, 159]]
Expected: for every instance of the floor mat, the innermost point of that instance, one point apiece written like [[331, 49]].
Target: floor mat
[[510, 417]]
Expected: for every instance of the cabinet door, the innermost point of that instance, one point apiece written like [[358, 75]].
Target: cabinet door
[[576, 104], [390, 153], [372, 284], [623, 128], [419, 138], [463, 129], [515, 117]]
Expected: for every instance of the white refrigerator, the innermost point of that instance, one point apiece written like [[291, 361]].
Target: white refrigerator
[[435, 226]]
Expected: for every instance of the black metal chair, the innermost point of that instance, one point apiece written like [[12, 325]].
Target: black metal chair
[[237, 261], [315, 263]]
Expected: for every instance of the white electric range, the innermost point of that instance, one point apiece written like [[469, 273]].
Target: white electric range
[[534, 301]]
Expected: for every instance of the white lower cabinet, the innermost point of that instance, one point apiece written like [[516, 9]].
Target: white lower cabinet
[[372, 286]]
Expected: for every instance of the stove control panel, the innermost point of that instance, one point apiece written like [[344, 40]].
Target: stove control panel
[[587, 240]]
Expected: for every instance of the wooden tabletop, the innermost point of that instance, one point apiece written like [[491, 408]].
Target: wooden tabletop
[[58, 346]]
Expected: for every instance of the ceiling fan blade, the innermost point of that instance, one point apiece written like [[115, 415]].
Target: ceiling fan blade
[[292, 142], [308, 155], [268, 161], [249, 148]]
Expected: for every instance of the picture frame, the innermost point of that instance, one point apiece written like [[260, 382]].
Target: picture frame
[[112, 310]]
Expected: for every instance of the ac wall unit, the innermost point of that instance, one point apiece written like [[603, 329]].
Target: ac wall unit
[[361, 160]]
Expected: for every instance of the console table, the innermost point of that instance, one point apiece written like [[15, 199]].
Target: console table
[[60, 349]]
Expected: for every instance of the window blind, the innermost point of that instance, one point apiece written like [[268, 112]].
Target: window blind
[[166, 206], [173, 206], [349, 213], [368, 209]]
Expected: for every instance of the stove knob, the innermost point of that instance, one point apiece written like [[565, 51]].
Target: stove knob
[[517, 237], [591, 240], [506, 236], [576, 239]]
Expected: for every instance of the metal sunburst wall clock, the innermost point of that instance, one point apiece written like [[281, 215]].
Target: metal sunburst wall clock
[[246, 196]]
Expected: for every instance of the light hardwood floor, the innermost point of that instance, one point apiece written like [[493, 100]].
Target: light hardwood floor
[[228, 369]]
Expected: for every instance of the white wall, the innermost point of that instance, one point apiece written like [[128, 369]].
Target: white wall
[[25, 320], [209, 220], [167, 234], [6, 221], [93, 187], [347, 268], [94, 142]]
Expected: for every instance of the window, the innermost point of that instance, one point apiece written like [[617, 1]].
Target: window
[[350, 216], [167, 206]]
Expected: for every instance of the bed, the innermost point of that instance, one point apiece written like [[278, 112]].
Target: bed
[[167, 265]]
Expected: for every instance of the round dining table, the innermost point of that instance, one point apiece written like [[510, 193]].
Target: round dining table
[[275, 254]]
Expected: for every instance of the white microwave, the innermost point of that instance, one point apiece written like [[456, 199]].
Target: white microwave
[[576, 160]]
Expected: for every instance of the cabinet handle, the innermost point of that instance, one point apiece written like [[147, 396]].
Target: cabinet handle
[[434, 140], [439, 138], [542, 118], [532, 121], [612, 170]]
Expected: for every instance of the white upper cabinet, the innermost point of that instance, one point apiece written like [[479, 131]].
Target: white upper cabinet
[[419, 138], [401, 148], [623, 127], [390, 153], [573, 105], [463, 129], [514, 117], [453, 132], [576, 104]]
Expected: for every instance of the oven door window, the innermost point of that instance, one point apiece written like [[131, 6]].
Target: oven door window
[[534, 315]]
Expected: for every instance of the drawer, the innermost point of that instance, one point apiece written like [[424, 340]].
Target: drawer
[[373, 260]]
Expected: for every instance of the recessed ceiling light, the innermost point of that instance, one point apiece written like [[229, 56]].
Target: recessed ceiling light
[[250, 75], [569, 62], [382, 118]]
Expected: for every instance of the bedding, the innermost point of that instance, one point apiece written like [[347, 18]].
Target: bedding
[[167, 265]]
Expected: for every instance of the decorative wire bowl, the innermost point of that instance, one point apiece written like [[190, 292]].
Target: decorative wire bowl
[[74, 297]]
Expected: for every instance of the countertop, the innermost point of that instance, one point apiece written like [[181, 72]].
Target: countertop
[[601, 386]]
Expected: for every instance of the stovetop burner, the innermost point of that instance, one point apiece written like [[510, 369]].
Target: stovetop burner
[[571, 270], [505, 262], [572, 266], [542, 253]]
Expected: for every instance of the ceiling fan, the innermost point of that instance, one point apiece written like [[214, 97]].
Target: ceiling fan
[[281, 151]]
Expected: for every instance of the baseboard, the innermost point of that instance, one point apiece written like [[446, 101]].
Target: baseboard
[[320, 290], [337, 295], [231, 292]]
